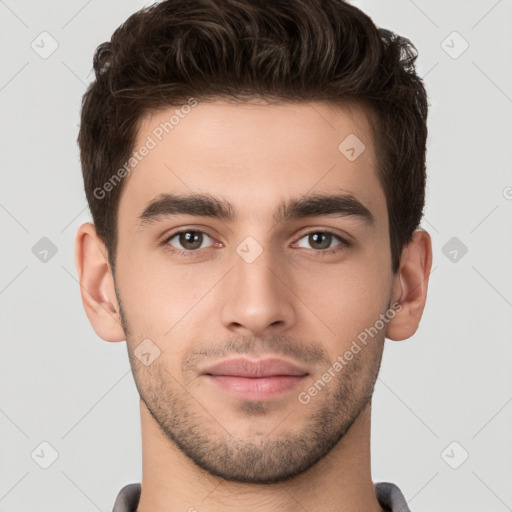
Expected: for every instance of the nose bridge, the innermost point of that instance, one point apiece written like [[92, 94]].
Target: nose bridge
[[257, 297]]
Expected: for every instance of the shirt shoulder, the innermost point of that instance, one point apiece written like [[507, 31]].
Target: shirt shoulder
[[390, 497], [128, 498]]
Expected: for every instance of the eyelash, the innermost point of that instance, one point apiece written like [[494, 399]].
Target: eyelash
[[192, 253]]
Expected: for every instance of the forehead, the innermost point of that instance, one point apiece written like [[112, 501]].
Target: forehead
[[254, 154]]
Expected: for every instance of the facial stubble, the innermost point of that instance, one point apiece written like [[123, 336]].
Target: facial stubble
[[275, 456]]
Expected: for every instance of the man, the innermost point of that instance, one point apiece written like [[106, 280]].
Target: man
[[256, 175]]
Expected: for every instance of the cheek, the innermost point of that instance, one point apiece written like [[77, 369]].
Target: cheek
[[162, 301], [346, 301]]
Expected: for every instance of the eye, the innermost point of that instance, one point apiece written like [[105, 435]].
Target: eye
[[322, 240], [188, 240]]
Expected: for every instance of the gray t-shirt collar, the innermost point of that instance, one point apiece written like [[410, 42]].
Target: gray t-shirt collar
[[390, 498]]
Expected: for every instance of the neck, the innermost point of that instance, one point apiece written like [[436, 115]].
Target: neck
[[340, 481]]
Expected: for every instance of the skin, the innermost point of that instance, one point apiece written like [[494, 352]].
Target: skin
[[201, 446]]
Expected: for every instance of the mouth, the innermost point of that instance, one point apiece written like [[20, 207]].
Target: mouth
[[261, 379]]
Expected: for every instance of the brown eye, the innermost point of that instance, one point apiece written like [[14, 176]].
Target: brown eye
[[322, 240], [318, 240], [188, 240]]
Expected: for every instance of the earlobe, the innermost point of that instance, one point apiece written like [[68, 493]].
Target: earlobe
[[97, 284], [411, 285]]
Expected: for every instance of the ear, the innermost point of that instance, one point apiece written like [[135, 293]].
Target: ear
[[97, 284], [410, 286]]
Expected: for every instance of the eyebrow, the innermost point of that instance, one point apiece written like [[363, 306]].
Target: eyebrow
[[206, 205]]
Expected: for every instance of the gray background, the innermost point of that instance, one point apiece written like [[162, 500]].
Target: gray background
[[442, 395]]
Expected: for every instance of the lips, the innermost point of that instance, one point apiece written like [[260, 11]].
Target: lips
[[261, 379], [249, 368]]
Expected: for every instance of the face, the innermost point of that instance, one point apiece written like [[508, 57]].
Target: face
[[243, 295]]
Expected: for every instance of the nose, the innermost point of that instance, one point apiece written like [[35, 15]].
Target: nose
[[258, 299]]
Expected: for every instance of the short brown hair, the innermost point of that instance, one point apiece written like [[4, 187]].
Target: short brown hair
[[298, 50]]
